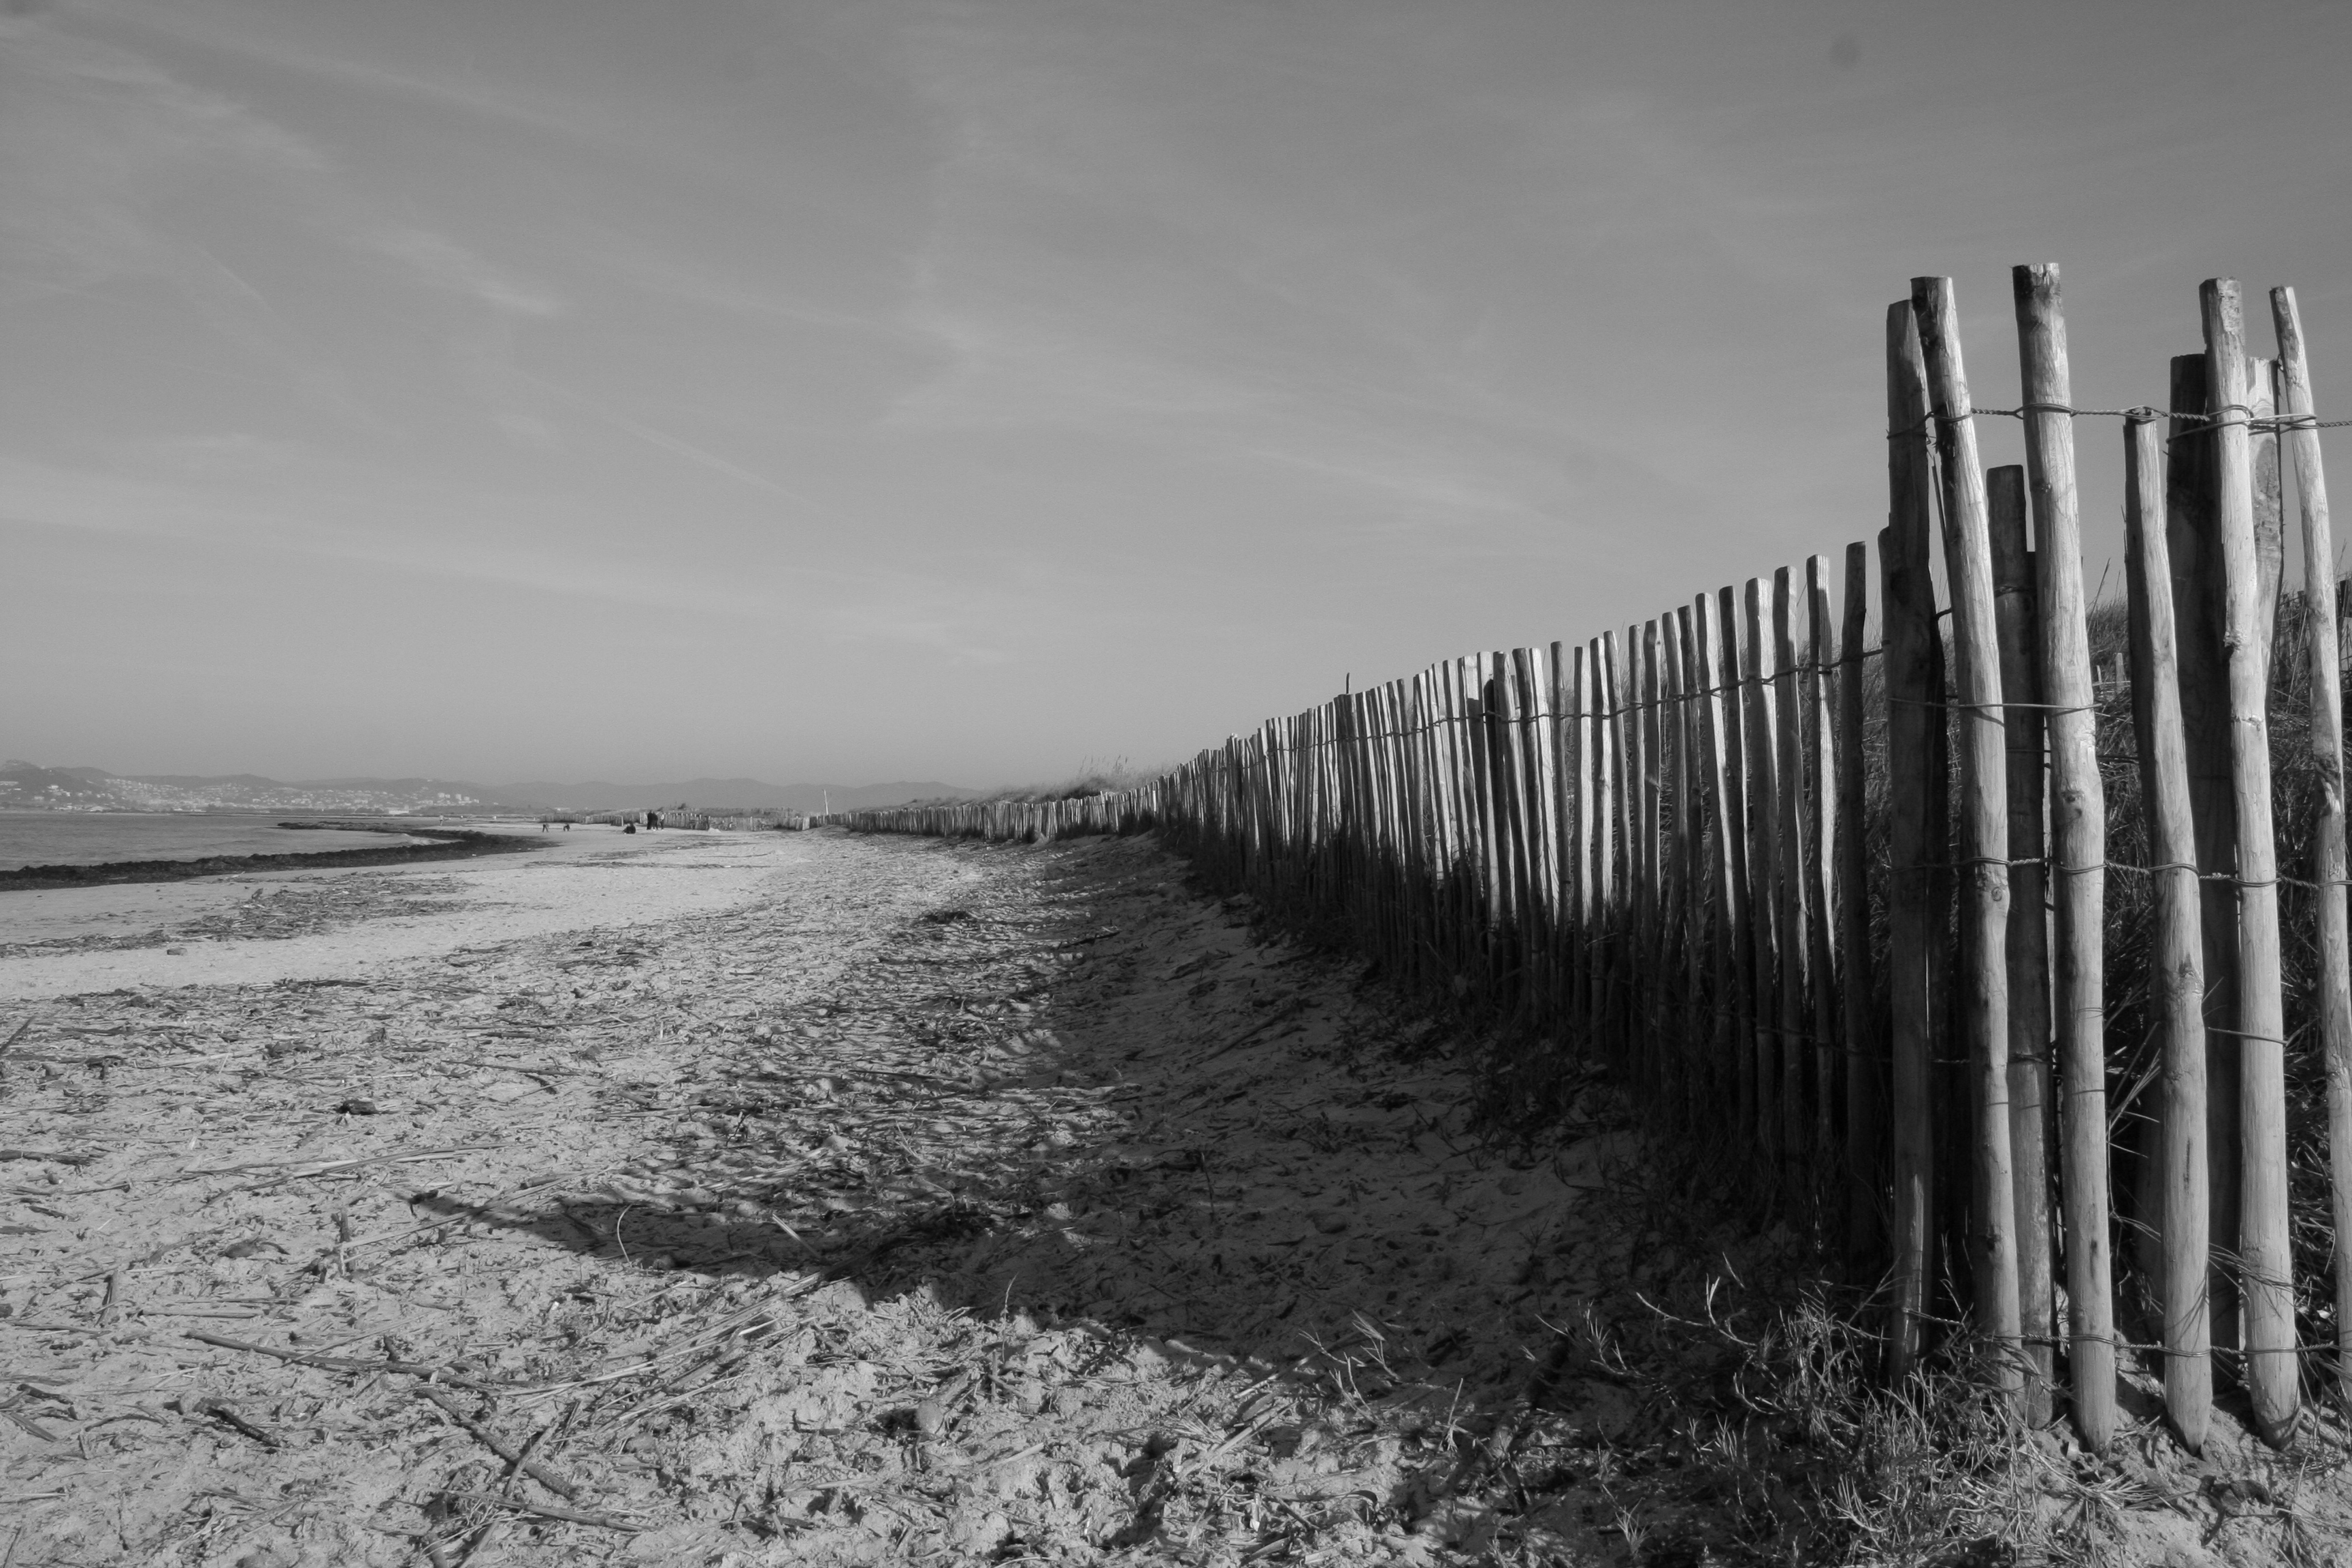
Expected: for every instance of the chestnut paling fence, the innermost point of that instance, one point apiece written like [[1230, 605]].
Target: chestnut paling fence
[[1858, 914]]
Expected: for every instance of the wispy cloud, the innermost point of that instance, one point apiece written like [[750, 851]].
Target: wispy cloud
[[442, 262], [214, 30], [679, 447], [96, 140], [182, 508]]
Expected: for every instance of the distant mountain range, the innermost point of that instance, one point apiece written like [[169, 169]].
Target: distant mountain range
[[27, 786]]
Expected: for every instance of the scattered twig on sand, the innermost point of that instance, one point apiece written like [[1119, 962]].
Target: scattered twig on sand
[[347, 1363], [520, 1458], [337, 1167], [227, 1414], [549, 1510], [1289, 1009]]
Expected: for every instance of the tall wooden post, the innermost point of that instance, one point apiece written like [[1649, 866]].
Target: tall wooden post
[[1865, 1044], [1650, 783], [2193, 549], [1609, 789], [2177, 993], [1719, 666], [1984, 908], [1913, 841], [2028, 954], [1760, 746], [1792, 914], [2078, 845], [2270, 512], [2328, 862], [1674, 811], [1586, 881], [1702, 904], [1821, 858], [2267, 1289]]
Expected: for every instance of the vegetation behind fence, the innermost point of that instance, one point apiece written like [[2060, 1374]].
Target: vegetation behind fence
[[1978, 961]]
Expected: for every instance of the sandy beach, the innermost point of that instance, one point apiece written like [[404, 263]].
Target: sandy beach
[[797, 1198]]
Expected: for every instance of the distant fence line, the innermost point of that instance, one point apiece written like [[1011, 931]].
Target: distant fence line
[[1772, 883]]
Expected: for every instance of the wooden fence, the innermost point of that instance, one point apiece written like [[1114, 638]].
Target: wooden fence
[[1847, 912]]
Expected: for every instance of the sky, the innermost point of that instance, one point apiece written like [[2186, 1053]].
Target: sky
[[503, 389]]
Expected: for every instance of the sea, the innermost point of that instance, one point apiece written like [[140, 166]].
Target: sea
[[95, 837]]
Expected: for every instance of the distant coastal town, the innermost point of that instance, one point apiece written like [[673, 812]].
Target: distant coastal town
[[28, 786]]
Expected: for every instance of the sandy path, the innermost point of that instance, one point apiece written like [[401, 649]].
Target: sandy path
[[813, 1201]]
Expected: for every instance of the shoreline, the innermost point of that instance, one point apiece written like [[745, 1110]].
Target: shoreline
[[455, 843]]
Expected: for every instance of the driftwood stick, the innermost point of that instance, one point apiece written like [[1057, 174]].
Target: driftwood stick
[[518, 1457], [548, 1510], [344, 1363]]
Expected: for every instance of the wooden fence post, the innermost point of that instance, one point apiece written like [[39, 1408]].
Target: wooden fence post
[[1793, 914], [1531, 668], [2270, 512], [2329, 860], [1704, 912], [1608, 887], [1761, 750], [2028, 949], [2266, 1291], [1719, 666], [1866, 1051], [1914, 804], [1586, 823], [2176, 971], [2195, 556], [1821, 848], [1559, 740], [1641, 837], [1672, 860], [1984, 994], [2078, 844]]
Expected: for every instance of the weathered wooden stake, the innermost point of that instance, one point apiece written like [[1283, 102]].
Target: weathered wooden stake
[[2195, 556], [1821, 852], [2266, 1290], [2270, 511], [1865, 1044], [2176, 970], [1915, 795], [2078, 845], [2028, 953], [1792, 914], [1760, 744], [1984, 910], [1718, 663], [2329, 860]]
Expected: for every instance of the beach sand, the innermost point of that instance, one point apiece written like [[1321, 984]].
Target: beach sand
[[790, 1199]]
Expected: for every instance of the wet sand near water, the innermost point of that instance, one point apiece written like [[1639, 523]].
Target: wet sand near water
[[75, 940]]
